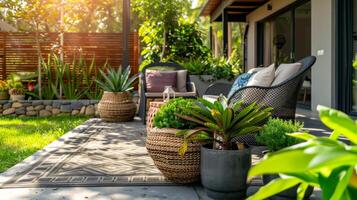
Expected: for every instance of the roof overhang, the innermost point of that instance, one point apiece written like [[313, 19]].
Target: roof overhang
[[236, 10]]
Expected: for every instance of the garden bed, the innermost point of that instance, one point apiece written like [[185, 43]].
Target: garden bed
[[45, 108]]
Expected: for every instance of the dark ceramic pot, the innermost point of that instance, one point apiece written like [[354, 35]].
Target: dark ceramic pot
[[287, 194], [224, 172]]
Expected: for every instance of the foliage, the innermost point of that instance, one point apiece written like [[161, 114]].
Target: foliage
[[162, 14], [185, 42], [221, 123], [79, 15], [15, 85], [274, 134], [219, 68], [117, 80], [3, 86], [166, 118], [21, 137], [71, 81], [322, 162]]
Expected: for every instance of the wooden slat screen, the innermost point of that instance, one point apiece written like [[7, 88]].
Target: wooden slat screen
[[18, 50]]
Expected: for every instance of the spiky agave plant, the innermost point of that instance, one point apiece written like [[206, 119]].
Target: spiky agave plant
[[220, 123], [117, 80]]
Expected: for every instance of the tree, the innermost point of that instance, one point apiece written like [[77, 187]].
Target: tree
[[161, 13]]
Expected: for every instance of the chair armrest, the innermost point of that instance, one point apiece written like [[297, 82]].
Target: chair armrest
[[191, 87], [218, 89]]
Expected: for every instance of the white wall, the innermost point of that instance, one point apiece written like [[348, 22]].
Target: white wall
[[323, 35]]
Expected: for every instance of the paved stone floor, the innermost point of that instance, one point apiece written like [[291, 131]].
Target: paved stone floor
[[119, 193]]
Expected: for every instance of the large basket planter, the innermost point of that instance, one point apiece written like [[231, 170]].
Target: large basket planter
[[163, 146], [117, 107]]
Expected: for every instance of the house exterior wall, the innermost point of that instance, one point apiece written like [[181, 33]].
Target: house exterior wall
[[322, 46], [252, 19]]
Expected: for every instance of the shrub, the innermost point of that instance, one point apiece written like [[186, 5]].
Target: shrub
[[274, 134], [166, 116]]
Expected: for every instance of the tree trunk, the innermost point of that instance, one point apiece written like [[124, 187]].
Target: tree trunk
[[164, 45]]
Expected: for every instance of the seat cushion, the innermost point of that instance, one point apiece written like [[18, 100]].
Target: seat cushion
[[181, 80], [263, 77], [286, 71], [240, 82], [157, 80]]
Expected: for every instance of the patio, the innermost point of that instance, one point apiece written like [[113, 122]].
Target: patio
[[100, 160]]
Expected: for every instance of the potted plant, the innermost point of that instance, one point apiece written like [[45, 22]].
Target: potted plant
[[323, 162], [224, 163], [162, 143], [117, 101], [16, 88], [275, 136], [4, 95]]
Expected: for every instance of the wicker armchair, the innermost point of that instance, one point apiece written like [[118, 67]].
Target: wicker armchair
[[145, 96], [282, 97]]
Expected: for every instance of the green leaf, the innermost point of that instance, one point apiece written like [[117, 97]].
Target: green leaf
[[293, 161], [338, 121], [301, 191], [274, 187], [303, 136]]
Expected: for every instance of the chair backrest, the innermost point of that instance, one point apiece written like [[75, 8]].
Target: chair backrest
[[163, 66], [307, 63], [282, 97]]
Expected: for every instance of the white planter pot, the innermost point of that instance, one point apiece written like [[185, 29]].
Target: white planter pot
[[202, 82]]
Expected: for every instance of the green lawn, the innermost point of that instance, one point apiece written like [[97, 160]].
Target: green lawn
[[21, 137]]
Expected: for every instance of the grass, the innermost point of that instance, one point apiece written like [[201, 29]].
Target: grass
[[21, 137]]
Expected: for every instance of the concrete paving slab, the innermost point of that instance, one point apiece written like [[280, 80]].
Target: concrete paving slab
[[101, 193]]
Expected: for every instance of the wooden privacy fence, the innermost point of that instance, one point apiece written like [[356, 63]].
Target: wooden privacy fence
[[18, 51]]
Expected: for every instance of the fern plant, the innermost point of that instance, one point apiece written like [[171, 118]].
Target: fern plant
[[117, 80], [220, 123]]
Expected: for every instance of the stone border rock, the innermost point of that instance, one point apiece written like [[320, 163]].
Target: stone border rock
[[45, 108]]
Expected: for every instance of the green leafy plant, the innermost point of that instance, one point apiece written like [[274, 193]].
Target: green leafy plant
[[117, 80], [274, 134], [322, 162], [15, 85], [220, 123], [3, 86], [219, 68], [166, 118]]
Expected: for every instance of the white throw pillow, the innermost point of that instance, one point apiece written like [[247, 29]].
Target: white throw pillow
[[285, 71], [263, 77], [253, 70]]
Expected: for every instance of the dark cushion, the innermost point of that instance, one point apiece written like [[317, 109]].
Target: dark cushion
[[240, 82], [157, 80]]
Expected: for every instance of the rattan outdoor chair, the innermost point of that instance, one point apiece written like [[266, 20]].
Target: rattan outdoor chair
[[145, 96], [282, 97]]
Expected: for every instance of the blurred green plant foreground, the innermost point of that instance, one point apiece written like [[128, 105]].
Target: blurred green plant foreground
[[322, 162]]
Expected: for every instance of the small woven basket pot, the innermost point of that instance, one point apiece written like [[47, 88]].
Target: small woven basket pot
[[163, 146], [117, 107]]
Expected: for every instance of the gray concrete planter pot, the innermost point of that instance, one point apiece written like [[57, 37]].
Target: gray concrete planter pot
[[224, 172], [287, 194]]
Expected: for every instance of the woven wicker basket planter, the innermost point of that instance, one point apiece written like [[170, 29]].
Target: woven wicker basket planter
[[163, 145], [116, 107]]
